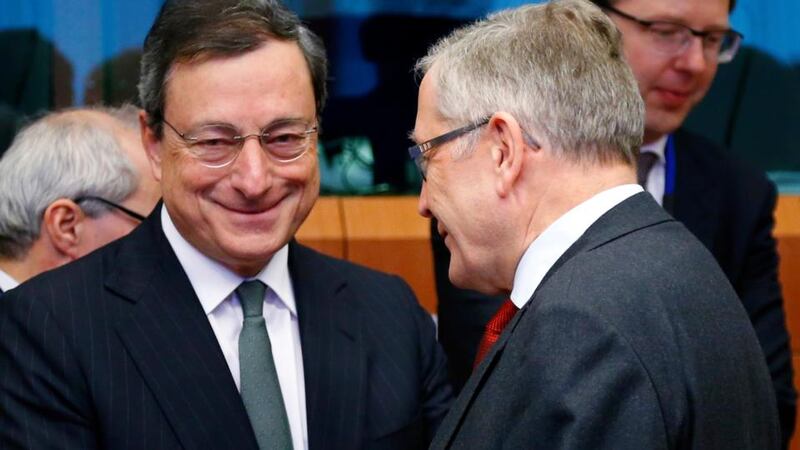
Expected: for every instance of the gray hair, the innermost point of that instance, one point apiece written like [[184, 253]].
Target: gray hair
[[558, 68], [195, 30], [62, 155], [126, 115]]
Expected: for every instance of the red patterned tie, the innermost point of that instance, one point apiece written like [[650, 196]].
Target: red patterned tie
[[494, 328]]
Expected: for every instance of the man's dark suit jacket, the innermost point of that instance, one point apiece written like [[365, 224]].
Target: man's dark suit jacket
[[633, 340], [115, 351], [729, 208]]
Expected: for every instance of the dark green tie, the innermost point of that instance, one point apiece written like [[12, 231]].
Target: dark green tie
[[261, 391]]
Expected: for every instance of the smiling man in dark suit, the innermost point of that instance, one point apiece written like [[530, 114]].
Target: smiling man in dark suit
[[208, 326], [621, 331]]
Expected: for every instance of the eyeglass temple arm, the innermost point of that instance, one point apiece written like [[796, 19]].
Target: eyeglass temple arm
[[127, 211]]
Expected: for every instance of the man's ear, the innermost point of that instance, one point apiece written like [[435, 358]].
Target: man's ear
[[63, 223], [152, 145], [508, 150]]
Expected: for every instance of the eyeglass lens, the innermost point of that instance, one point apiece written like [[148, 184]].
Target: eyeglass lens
[[218, 145]]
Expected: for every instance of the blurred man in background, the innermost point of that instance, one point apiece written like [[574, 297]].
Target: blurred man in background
[[674, 48], [71, 182]]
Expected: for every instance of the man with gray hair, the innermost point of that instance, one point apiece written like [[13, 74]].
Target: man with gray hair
[[71, 182], [621, 332]]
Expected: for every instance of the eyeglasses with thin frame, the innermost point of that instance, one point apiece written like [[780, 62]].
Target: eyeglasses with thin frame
[[128, 212], [217, 145], [417, 152], [671, 38]]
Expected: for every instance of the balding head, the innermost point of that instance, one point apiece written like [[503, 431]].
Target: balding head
[[51, 178], [123, 123]]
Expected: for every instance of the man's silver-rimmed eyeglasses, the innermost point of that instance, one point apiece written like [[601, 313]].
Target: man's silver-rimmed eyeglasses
[[672, 38], [128, 212], [417, 152], [217, 145]]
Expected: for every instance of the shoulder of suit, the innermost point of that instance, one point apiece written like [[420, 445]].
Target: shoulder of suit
[[56, 291], [85, 268], [711, 157], [362, 283], [335, 265]]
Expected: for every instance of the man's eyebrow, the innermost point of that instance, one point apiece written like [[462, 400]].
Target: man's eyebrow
[[274, 123], [412, 136], [680, 21]]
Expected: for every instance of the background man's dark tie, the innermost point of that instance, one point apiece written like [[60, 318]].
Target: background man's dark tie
[[643, 166]]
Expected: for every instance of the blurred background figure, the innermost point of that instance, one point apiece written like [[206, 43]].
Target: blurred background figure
[[71, 182], [675, 48], [113, 81], [36, 77]]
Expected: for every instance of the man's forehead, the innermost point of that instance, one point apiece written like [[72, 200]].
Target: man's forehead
[[429, 96], [272, 75], [426, 109], [700, 14]]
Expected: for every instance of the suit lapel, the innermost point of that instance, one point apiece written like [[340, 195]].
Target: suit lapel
[[634, 213], [697, 194], [334, 355], [167, 334], [457, 412], [452, 421]]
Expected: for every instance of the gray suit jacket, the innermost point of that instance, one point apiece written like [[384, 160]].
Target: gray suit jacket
[[634, 340]]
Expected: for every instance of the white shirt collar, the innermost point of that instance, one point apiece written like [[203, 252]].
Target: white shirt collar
[[545, 250], [213, 282], [659, 147], [7, 282]]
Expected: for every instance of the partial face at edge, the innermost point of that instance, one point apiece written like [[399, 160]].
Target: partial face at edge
[[670, 85]]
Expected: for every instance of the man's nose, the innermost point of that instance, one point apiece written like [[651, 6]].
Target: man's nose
[[422, 204], [252, 169], [695, 58]]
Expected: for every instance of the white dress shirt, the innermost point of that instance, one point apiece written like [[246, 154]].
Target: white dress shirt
[[215, 284], [656, 177], [545, 250], [7, 282]]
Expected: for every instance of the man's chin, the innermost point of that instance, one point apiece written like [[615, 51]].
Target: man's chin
[[460, 278], [248, 263], [250, 251], [666, 122]]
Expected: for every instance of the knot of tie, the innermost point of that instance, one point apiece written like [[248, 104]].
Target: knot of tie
[[251, 294], [644, 163]]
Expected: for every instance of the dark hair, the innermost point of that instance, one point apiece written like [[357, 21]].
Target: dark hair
[[195, 30], [602, 3]]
